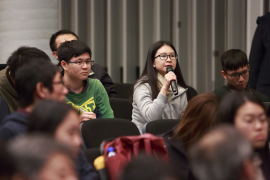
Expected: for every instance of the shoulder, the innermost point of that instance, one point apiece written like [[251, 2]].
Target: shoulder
[[261, 96], [222, 91], [15, 117], [94, 83]]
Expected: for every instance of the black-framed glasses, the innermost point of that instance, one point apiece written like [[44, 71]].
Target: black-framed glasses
[[81, 63], [165, 57], [236, 76]]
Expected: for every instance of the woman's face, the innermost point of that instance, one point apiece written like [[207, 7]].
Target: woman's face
[[252, 122], [161, 65], [68, 132]]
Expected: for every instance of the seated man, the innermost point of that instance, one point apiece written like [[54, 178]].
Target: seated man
[[224, 154], [86, 95], [20, 57], [97, 71], [35, 81], [235, 69]]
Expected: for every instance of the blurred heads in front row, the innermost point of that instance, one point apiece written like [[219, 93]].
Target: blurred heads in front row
[[224, 154], [39, 157], [56, 119]]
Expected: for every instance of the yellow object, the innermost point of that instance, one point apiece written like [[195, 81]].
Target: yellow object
[[99, 162]]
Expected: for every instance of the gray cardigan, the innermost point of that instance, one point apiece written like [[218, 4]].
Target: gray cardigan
[[145, 109]]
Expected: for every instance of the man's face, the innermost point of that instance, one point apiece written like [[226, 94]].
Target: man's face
[[239, 82], [60, 39], [59, 90], [78, 67]]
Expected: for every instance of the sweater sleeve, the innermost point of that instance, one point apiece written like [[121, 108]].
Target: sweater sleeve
[[102, 102], [149, 109]]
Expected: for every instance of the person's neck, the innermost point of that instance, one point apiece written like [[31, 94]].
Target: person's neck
[[74, 85]]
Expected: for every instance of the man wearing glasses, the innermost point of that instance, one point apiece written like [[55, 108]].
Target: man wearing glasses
[[235, 69], [88, 96]]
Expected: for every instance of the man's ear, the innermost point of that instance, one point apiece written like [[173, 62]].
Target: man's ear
[[64, 64], [223, 73], [54, 53], [41, 90]]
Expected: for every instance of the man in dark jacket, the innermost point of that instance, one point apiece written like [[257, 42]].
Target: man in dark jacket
[[235, 69], [97, 71], [259, 58]]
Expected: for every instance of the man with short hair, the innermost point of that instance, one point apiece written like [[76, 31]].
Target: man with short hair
[[87, 95], [235, 69], [22, 56], [35, 81], [224, 154], [97, 71]]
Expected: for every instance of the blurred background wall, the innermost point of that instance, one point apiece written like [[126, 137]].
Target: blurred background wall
[[119, 32]]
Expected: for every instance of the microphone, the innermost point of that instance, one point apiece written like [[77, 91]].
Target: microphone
[[173, 83]]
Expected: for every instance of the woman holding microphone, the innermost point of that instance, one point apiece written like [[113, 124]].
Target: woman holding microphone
[[153, 97]]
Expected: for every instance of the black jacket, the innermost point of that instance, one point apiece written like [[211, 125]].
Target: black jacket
[[259, 58], [177, 157], [98, 72]]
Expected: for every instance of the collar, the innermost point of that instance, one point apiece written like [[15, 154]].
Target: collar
[[247, 89], [86, 84], [23, 111]]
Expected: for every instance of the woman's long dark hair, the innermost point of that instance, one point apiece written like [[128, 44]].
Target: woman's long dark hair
[[232, 102], [47, 116], [149, 74]]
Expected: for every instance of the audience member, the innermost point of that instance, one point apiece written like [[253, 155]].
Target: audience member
[[38, 80], [224, 154], [247, 114], [88, 96], [62, 122], [259, 57], [4, 109], [41, 158], [20, 57], [152, 95], [7, 165], [97, 71], [199, 116], [235, 69], [147, 168]]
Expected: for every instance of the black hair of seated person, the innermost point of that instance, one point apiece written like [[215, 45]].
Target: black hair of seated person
[[146, 167], [23, 56], [233, 59], [27, 77], [31, 152], [7, 165], [58, 33], [50, 114], [231, 103], [69, 49]]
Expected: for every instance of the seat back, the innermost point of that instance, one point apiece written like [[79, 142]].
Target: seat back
[[122, 90], [96, 130], [92, 154], [122, 108], [192, 91], [159, 126]]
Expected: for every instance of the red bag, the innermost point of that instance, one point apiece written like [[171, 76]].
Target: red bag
[[126, 147]]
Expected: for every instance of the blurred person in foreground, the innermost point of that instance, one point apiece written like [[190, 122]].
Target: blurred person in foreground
[[224, 154]]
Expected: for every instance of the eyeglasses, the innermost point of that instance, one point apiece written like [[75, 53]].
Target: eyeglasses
[[81, 63], [165, 57], [236, 76]]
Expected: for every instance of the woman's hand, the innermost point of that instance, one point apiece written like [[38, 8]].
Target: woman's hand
[[87, 116], [170, 76]]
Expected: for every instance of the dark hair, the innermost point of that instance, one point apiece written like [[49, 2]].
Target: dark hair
[[220, 154], [58, 33], [7, 165], [149, 74], [70, 49], [27, 77], [47, 116], [232, 102], [199, 116], [31, 153], [23, 56], [146, 167], [233, 59]]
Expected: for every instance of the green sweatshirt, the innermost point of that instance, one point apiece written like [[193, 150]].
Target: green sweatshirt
[[92, 96]]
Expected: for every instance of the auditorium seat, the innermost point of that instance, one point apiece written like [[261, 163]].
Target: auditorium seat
[[122, 108], [159, 126], [122, 90]]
